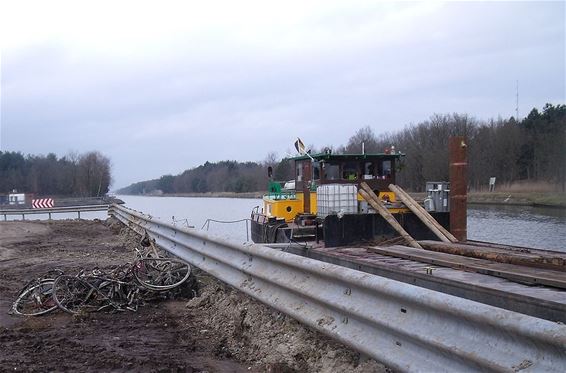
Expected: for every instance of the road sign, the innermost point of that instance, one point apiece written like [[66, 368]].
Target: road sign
[[42, 203]]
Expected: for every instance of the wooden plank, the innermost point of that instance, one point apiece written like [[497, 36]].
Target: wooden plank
[[538, 301], [423, 215], [425, 218], [521, 249], [372, 199], [531, 258], [509, 271]]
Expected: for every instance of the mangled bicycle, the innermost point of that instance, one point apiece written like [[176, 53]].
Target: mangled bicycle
[[123, 288]]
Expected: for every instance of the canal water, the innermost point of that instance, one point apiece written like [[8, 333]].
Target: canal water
[[543, 228], [538, 227]]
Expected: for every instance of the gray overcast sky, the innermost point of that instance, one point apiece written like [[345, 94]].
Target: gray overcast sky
[[163, 86]]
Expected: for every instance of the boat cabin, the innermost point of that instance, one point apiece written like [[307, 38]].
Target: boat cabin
[[314, 170], [325, 207], [377, 170]]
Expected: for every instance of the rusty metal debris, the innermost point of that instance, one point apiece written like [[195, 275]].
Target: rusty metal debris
[[124, 287]]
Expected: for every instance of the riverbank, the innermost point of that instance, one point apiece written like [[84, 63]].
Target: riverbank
[[220, 330], [545, 199], [542, 199]]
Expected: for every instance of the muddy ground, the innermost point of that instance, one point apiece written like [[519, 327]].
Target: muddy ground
[[220, 330]]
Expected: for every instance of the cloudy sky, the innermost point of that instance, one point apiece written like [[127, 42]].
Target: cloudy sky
[[162, 86]]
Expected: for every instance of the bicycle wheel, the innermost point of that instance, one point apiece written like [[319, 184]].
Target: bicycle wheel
[[35, 299], [71, 293], [160, 274], [115, 293]]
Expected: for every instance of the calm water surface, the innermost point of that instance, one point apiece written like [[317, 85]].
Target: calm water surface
[[543, 228], [515, 225], [538, 227], [196, 211]]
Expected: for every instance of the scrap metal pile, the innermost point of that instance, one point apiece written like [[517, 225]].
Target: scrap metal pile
[[123, 288]]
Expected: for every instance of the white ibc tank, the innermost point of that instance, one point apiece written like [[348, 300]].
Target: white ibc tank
[[336, 198]]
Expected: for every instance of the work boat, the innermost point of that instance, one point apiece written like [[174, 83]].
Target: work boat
[[346, 210], [325, 204]]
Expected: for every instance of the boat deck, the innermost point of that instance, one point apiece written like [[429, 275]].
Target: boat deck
[[524, 280]]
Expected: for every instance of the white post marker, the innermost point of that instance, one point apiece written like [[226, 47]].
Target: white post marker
[[492, 184]]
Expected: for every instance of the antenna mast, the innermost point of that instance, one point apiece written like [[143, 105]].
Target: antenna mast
[[517, 103]]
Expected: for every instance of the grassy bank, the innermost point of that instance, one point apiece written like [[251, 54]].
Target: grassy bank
[[546, 199], [549, 199]]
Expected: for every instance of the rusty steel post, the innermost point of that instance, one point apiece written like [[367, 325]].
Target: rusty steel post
[[307, 176], [458, 187]]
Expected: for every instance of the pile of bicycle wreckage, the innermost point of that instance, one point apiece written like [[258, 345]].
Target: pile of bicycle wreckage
[[151, 276]]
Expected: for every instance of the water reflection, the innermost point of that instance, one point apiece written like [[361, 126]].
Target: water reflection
[[197, 210], [538, 227]]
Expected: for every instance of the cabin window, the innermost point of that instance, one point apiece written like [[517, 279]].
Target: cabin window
[[299, 171], [331, 171], [316, 171], [386, 165], [350, 171], [369, 170]]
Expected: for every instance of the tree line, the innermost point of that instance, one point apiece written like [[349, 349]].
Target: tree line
[[77, 175], [532, 149], [225, 176]]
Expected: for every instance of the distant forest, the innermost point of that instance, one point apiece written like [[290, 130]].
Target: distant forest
[[78, 175], [533, 149], [225, 176]]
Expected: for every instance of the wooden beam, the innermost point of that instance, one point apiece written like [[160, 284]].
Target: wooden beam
[[422, 214], [374, 201], [533, 276], [525, 257]]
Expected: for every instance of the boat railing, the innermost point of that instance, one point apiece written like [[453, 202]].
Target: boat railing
[[247, 220]]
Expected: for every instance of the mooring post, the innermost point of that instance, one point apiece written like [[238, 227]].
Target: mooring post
[[458, 187]]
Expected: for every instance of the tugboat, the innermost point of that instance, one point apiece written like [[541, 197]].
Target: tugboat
[[327, 213], [323, 204]]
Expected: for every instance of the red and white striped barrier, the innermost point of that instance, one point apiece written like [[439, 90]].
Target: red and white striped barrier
[[42, 203]]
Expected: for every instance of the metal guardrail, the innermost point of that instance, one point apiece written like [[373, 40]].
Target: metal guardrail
[[54, 210], [406, 327]]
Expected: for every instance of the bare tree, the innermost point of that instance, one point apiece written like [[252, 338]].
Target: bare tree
[[94, 176]]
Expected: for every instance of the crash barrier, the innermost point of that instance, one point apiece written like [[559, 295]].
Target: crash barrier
[[403, 326], [53, 210]]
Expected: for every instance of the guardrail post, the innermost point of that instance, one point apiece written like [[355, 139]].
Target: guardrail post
[[79, 214]]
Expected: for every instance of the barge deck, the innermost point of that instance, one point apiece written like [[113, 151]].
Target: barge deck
[[479, 272]]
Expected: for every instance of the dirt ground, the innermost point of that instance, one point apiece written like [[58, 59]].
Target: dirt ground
[[220, 330]]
